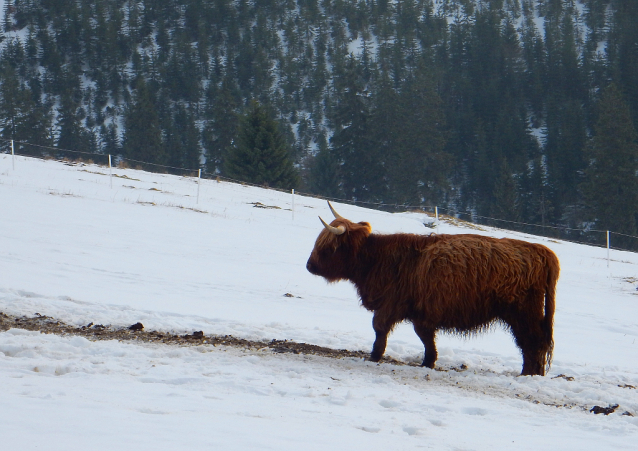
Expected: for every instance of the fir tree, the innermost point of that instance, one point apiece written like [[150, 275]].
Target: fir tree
[[109, 139], [220, 130], [361, 170], [72, 136], [142, 132], [324, 173], [182, 142], [610, 188], [505, 205], [21, 118], [260, 155]]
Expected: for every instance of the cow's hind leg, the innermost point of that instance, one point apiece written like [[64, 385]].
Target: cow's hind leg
[[532, 359], [527, 327], [427, 336]]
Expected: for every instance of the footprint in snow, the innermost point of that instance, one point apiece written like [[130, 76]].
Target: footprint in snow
[[370, 429], [475, 411], [410, 430]]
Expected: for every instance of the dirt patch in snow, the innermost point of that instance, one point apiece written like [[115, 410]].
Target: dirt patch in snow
[[136, 333]]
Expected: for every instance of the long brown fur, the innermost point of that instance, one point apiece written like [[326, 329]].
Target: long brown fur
[[455, 283]]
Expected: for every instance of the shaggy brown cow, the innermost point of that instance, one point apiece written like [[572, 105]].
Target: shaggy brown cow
[[455, 283]]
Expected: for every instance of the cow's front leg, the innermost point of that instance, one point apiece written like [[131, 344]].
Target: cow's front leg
[[381, 328], [427, 337]]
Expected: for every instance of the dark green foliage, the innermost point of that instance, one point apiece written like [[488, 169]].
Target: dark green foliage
[[505, 200], [72, 135], [484, 106], [325, 174], [260, 155], [182, 141], [222, 121], [21, 117], [622, 51], [142, 134], [611, 185], [361, 167], [408, 135]]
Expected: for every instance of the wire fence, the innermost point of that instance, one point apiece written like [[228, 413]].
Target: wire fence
[[589, 236]]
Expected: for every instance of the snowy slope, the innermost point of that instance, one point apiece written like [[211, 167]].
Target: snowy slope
[[146, 250]]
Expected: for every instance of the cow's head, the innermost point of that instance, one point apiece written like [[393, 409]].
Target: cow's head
[[337, 247]]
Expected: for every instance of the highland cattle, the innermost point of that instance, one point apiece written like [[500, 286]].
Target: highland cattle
[[460, 284]]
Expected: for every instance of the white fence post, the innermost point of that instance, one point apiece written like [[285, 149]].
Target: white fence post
[[436, 213], [110, 172], [293, 204], [13, 157], [199, 177], [608, 248]]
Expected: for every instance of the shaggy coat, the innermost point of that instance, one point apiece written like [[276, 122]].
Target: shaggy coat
[[455, 283]]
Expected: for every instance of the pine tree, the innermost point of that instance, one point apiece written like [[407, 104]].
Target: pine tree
[[109, 139], [610, 188], [324, 176], [361, 170], [142, 132], [505, 205], [221, 128], [621, 51], [11, 102], [260, 154], [21, 118], [407, 131], [72, 136], [182, 142]]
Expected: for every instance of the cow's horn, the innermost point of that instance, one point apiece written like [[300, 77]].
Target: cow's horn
[[337, 215], [336, 230]]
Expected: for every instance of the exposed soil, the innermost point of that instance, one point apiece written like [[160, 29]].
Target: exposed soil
[[136, 332]]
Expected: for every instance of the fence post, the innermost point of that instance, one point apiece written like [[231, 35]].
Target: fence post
[[13, 157], [110, 172], [293, 204], [436, 213], [608, 248], [199, 177]]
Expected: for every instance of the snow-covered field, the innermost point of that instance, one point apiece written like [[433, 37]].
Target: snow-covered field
[[145, 250]]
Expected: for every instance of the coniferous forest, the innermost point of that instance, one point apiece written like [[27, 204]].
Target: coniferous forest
[[521, 110]]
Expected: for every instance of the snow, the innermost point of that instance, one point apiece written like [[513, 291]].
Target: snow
[[147, 250]]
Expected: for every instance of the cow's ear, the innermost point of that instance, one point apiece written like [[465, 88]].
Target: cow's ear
[[367, 227]]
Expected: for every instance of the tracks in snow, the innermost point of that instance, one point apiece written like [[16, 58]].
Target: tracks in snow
[[459, 378]]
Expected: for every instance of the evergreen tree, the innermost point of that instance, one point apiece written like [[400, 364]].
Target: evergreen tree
[[610, 188], [142, 132], [182, 142], [72, 135], [505, 205], [21, 118], [324, 176], [565, 101], [260, 154], [11, 103], [621, 51], [407, 137], [109, 139], [220, 131], [534, 201], [361, 168]]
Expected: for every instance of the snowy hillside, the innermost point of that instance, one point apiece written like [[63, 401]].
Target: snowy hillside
[[148, 250]]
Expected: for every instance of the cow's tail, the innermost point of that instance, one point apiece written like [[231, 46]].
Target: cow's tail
[[550, 307]]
